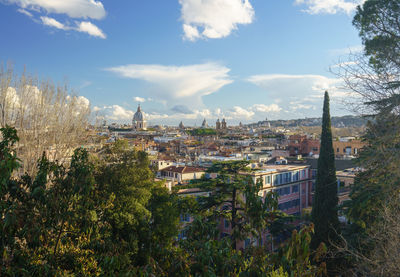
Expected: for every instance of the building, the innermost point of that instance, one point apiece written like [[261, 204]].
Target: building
[[303, 145], [204, 124], [345, 179], [347, 147], [293, 183], [223, 124], [181, 126], [181, 174], [218, 125], [139, 122]]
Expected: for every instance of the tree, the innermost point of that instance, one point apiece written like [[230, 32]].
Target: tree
[[324, 211], [379, 29], [47, 117], [234, 197]]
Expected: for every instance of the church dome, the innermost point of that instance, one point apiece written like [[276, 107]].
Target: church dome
[[138, 116]]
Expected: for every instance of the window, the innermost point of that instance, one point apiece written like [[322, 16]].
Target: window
[[337, 150], [289, 205], [296, 176], [268, 179], [287, 177], [295, 188], [283, 191], [313, 173]]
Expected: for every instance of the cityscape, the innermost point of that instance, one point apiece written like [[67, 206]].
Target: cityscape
[[199, 138]]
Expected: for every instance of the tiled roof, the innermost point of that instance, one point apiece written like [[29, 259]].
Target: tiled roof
[[183, 169]]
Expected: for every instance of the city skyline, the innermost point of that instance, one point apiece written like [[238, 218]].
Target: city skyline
[[187, 60]]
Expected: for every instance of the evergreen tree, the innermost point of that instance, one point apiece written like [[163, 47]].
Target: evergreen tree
[[324, 212]]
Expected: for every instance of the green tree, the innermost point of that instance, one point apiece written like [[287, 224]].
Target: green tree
[[324, 210], [378, 25], [142, 217]]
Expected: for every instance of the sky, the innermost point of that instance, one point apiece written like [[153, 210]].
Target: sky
[[186, 60]]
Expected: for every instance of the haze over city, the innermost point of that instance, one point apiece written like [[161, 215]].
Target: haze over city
[[187, 60]]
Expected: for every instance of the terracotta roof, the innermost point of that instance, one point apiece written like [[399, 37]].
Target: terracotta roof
[[183, 169]]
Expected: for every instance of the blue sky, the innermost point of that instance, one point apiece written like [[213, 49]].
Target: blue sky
[[244, 60]]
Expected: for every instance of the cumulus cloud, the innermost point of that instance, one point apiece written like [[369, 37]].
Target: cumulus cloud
[[267, 108], [88, 9], [139, 99], [240, 113], [116, 112], [179, 84], [73, 8], [301, 94], [48, 21], [329, 6], [25, 12], [91, 29], [84, 26], [214, 18]]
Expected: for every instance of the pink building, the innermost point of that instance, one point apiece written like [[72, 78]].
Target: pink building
[[293, 184]]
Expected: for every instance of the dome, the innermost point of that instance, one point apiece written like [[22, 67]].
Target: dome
[[138, 116]]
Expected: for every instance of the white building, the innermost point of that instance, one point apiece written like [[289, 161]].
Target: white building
[[139, 121]]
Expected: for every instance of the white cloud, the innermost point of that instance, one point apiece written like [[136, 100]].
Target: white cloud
[[267, 108], [240, 113], [214, 18], [116, 112], [329, 6], [73, 8], [84, 26], [344, 64], [25, 12], [91, 29], [347, 50], [292, 84], [48, 21], [139, 99], [179, 84], [155, 116], [301, 94]]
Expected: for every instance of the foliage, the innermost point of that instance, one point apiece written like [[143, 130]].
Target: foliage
[[377, 22], [324, 211], [106, 216], [203, 132]]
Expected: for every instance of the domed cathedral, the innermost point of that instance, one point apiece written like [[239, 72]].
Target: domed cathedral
[[139, 122]]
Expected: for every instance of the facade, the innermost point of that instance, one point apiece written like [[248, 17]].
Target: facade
[[218, 125], [204, 124], [223, 124], [292, 183], [347, 147], [303, 145], [181, 174], [139, 121]]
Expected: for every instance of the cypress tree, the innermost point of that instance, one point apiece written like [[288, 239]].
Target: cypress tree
[[324, 211]]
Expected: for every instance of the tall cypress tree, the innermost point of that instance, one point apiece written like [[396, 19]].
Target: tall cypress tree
[[324, 210]]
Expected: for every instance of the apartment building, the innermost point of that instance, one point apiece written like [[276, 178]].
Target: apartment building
[[303, 145]]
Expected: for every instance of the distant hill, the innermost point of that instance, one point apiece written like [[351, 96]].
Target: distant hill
[[337, 121]]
